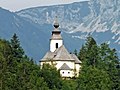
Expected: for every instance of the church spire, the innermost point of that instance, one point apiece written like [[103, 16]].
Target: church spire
[[56, 39], [56, 33], [56, 24]]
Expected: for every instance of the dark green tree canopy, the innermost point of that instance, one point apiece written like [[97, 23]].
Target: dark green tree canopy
[[99, 67], [17, 49], [51, 76]]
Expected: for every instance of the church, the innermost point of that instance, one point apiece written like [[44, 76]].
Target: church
[[68, 64]]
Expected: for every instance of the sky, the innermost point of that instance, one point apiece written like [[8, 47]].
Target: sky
[[16, 5]]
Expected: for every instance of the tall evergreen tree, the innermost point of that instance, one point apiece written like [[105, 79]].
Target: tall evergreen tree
[[97, 58], [100, 69], [6, 64], [17, 71], [82, 53], [111, 61], [75, 52], [92, 78], [51, 76], [89, 52], [17, 49]]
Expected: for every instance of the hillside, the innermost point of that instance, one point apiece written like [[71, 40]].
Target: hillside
[[30, 36], [34, 38], [101, 18]]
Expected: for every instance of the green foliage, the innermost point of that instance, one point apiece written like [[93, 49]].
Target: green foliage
[[89, 52], [5, 58], [17, 71], [93, 79], [110, 62], [75, 52], [17, 49], [99, 64], [51, 76], [69, 85], [100, 69]]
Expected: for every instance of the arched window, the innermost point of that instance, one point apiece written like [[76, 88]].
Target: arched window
[[56, 45]]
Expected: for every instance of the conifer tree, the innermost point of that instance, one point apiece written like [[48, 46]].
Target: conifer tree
[[18, 75], [51, 76], [6, 64], [100, 62], [17, 49], [111, 61], [89, 52], [75, 52], [92, 78]]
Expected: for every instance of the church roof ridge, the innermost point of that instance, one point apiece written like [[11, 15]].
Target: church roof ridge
[[48, 56], [62, 54], [77, 61]]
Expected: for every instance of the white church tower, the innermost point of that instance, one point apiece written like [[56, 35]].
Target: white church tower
[[56, 40], [68, 64]]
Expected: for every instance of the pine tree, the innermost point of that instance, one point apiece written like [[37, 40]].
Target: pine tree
[[82, 53], [103, 61], [111, 60], [51, 76], [89, 52], [16, 48], [6, 65], [75, 52], [18, 72], [92, 78]]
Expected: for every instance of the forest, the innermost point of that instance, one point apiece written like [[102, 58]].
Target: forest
[[100, 69]]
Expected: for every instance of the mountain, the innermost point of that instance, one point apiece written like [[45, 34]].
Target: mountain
[[34, 38], [29, 35], [101, 18]]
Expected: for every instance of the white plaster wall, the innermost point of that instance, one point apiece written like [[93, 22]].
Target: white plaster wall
[[58, 64], [66, 74], [53, 44], [72, 65], [41, 63], [69, 63], [77, 69], [48, 62]]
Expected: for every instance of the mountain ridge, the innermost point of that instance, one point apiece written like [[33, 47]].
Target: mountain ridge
[[94, 16], [77, 20], [34, 38]]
